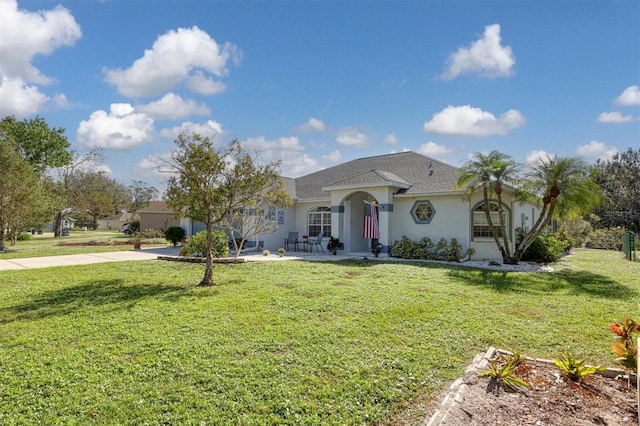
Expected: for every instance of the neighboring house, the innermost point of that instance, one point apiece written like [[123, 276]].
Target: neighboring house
[[157, 215], [67, 223], [416, 197], [114, 222]]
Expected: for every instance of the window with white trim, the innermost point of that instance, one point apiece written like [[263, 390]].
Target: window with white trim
[[481, 225], [319, 220]]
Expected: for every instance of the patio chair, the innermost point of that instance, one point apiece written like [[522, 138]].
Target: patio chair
[[317, 243], [291, 239]]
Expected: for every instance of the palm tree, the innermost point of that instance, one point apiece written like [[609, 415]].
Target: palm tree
[[491, 172], [565, 189]]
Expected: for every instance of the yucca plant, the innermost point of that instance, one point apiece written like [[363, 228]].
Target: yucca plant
[[575, 369]]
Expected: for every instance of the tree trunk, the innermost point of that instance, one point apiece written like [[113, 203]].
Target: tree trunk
[[208, 268], [2, 244], [543, 221], [57, 225]]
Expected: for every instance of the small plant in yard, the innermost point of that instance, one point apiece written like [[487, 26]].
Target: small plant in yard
[[174, 234], [333, 245], [281, 251], [503, 375], [197, 244], [575, 369], [625, 348], [266, 253], [515, 357]]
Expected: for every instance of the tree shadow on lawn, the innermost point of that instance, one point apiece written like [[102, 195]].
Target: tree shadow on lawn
[[92, 294], [572, 282]]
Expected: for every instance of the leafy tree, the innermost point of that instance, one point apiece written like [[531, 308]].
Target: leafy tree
[[96, 194], [562, 185], [619, 180], [41, 146], [263, 192], [22, 195], [210, 183], [141, 194], [68, 187]]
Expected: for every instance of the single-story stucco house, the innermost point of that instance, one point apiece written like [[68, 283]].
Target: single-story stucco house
[[157, 215], [114, 222], [415, 196]]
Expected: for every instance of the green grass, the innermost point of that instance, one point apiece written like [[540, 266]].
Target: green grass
[[49, 246], [353, 342]]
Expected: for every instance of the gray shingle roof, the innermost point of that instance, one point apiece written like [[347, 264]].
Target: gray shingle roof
[[424, 174]]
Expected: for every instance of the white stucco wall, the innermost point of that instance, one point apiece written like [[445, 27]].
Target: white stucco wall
[[450, 220]]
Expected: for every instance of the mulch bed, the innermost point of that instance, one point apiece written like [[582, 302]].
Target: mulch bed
[[550, 400]]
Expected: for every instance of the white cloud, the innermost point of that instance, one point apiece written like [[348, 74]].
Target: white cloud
[[209, 129], [182, 56], [470, 121], [288, 150], [154, 166], [120, 129], [353, 137], [596, 149], [629, 97], [333, 157], [24, 35], [615, 117], [534, 157], [61, 101], [313, 125], [18, 98], [273, 149], [391, 139], [173, 107], [432, 149], [484, 56], [199, 83]]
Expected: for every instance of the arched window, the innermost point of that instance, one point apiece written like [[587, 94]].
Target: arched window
[[320, 221], [481, 225]]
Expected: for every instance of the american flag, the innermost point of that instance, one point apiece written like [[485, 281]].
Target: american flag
[[371, 228]]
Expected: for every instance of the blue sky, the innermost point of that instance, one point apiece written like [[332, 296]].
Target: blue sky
[[315, 84]]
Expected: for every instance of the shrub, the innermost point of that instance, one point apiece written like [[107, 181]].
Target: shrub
[[546, 248], [134, 224], [625, 347], [606, 238], [426, 249], [405, 249], [219, 244], [152, 233], [23, 236], [174, 234]]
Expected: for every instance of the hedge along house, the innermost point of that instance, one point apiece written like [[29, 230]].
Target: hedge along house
[[415, 197]]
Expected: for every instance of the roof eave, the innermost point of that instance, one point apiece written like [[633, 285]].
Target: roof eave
[[388, 184]]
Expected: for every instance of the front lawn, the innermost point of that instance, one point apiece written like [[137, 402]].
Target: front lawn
[[295, 342], [48, 246]]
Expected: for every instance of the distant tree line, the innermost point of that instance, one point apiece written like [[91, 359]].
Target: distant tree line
[[44, 181]]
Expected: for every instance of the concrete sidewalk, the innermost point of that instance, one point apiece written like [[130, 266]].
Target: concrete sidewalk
[[86, 259]]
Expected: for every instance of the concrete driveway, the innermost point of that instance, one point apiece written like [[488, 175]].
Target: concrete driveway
[[86, 259]]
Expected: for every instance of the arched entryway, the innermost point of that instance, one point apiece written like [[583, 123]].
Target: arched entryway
[[353, 206]]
